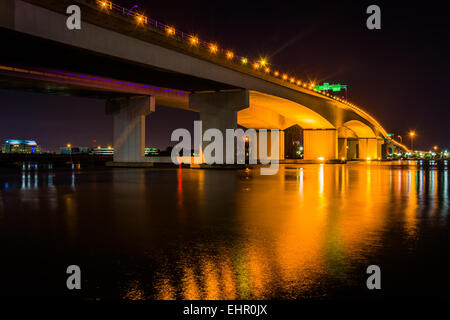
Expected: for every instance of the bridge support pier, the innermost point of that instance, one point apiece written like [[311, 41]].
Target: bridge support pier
[[342, 148], [369, 148], [219, 110], [129, 126], [320, 144]]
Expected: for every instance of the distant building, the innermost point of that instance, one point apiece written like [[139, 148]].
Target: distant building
[[152, 152], [99, 151], [21, 146], [74, 150]]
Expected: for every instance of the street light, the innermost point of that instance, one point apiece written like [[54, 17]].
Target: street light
[[401, 138], [411, 136]]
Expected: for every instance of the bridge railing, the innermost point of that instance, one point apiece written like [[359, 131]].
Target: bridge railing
[[254, 65]]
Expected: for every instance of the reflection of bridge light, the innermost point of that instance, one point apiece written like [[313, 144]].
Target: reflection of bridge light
[[301, 181], [321, 178]]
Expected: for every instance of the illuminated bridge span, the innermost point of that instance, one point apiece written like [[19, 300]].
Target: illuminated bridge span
[[135, 63]]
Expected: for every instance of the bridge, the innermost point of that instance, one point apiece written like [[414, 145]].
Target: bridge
[[135, 63]]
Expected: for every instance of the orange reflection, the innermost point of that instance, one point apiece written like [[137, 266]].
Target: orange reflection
[[296, 227]]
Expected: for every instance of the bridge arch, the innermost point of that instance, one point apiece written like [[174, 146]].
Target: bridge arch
[[357, 140]]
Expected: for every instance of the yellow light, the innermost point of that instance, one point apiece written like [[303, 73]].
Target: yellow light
[[412, 133], [292, 80], [230, 54], [105, 4], [276, 73], [256, 65], [69, 145], [435, 147], [304, 85], [99, 147], [141, 19], [170, 31], [368, 158], [244, 60], [213, 48], [263, 62], [267, 70], [193, 40], [109, 147], [320, 158], [285, 76], [299, 82]]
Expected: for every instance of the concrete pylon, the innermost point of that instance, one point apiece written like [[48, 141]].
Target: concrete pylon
[[369, 148], [219, 110], [129, 126], [320, 144], [342, 148]]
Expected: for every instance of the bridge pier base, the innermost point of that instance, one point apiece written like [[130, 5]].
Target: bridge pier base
[[369, 149], [320, 144], [219, 110], [129, 126], [342, 148]]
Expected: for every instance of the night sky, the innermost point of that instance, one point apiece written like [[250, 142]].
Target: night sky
[[399, 74]]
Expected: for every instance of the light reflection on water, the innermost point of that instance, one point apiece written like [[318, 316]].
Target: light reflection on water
[[309, 231]]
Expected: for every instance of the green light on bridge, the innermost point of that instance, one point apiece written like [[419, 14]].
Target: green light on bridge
[[331, 87]]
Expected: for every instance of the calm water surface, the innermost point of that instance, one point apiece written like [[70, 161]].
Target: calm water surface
[[308, 232]]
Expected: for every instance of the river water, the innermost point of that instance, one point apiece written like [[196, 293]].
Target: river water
[[310, 231]]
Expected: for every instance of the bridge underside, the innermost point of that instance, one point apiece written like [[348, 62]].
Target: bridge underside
[[321, 139]]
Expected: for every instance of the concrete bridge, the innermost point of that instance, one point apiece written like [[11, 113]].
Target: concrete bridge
[[135, 63]]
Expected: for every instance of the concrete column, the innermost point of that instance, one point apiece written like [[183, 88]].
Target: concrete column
[[352, 150], [281, 145], [381, 151], [368, 148], [129, 127], [320, 144], [342, 148], [219, 110]]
